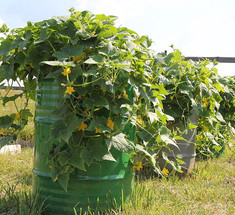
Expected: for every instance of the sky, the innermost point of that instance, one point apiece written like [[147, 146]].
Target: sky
[[204, 28]]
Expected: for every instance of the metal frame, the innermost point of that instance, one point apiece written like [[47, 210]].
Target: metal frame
[[219, 59]]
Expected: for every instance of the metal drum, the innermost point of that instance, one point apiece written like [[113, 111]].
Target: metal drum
[[103, 185], [186, 150]]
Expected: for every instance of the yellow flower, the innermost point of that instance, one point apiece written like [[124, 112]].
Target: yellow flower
[[205, 102], [82, 127], [109, 136], [66, 71], [93, 32], [97, 130], [172, 97], [110, 123], [138, 166], [165, 171], [17, 116], [83, 56], [139, 120], [50, 167], [2, 131], [7, 88], [79, 97], [63, 85], [69, 90], [76, 59], [102, 89], [124, 93], [86, 112], [31, 65], [199, 137]]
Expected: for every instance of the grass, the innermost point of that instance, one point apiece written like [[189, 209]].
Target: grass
[[209, 190]]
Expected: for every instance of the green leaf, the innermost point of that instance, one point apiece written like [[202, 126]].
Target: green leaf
[[76, 161], [109, 157], [97, 148], [75, 72], [5, 140], [130, 45], [185, 88], [72, 122], [59, 63], [162, 90], [152, 117], [58, 128], [69, 51], [87, 156], [20, 58], [107, 31], [164, 156], [5, 48], [220, 117], [63, 180], [7, 71], [150, 154], [44, 35], [98, 122], [192, 126], [11, 98], [25, 113], [166, 139], [64, 157], [146, 136], [100, 101], [5, 121], [64, 128], [97, 59], [119, 142], [108, 50]]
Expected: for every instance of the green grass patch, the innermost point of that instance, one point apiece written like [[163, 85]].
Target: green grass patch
[[209, 190]]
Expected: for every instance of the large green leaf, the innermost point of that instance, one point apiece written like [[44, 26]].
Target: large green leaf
[[7, 71], [5, 47], [99, 123], [108, 50], [5, 121], [5, 140], [152, 117], [87, 156], [63, 180], [97, 59], [119, 142], [59, 63], [44, 35], [76, 161], [64, 157], [69, 51]]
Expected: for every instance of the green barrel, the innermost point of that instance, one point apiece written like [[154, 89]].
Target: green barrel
[[105, 184]]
